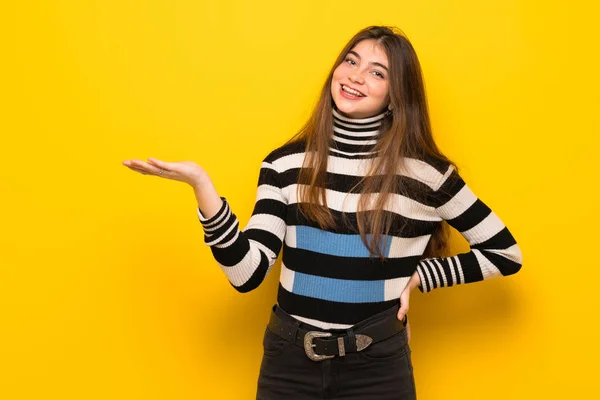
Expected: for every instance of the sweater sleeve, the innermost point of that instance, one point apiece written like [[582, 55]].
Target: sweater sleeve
[[493, 250], [247, 255]]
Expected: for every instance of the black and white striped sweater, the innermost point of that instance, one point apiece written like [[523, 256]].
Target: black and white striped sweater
[[327, 278]]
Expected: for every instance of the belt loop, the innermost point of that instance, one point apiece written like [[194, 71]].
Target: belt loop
[[352, 341], [294, 331]]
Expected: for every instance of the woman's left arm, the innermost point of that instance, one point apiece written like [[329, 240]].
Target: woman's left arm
[[494, 251]]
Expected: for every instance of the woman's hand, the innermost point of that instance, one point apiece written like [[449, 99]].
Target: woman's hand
[[209, 202], [405, 297], [183, 171]]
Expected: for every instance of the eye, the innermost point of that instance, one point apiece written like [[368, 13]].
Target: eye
[[378, 74], [350, 61]]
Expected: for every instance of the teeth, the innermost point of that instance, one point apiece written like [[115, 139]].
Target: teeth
[[351, 91]]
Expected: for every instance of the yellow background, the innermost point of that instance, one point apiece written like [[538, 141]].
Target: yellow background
[[106, 288]]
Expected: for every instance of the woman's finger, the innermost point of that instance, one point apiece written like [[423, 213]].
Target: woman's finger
[[160, 164], [404, 300], [144, 168], [402, 313], [147, 167], [141, 171]]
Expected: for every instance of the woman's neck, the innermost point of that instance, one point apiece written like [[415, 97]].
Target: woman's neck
[[355, 136]]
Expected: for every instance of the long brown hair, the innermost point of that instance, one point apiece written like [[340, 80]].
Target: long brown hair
[[404, 133]]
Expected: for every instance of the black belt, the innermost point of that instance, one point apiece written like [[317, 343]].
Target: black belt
[[320, 345]]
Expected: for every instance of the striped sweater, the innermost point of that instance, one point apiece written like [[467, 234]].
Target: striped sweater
[[327, 277]]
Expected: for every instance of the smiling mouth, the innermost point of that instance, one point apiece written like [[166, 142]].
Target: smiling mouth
[[352, 92]]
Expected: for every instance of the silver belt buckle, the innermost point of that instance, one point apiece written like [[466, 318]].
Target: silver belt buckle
[[309, 345], [362, 342]]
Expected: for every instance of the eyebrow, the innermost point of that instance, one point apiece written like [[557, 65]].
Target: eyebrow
[[372, 62]]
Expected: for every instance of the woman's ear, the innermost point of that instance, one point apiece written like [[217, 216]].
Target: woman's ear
[[389, 110]]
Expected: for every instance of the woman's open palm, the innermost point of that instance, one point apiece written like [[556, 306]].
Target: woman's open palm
[[183, 171]]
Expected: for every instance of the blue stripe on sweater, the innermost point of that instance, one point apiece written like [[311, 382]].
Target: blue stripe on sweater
[[335, 244], [340, 290]]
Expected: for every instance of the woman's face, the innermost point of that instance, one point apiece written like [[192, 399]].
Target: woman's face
[[360, 84]]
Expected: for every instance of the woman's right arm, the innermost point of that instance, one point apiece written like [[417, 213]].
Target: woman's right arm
[[209, 202], [245, 256]]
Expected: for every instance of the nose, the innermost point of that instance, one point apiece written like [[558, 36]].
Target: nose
[[357, 77]]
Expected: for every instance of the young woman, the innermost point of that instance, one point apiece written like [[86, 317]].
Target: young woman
[[359, 200]]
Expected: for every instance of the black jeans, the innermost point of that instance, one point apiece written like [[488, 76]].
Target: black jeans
[[382, 371]]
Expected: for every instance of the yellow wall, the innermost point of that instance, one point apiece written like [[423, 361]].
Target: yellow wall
[[106, 288]]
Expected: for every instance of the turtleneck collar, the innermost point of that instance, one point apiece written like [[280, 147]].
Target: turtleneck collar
[[355, 136]]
